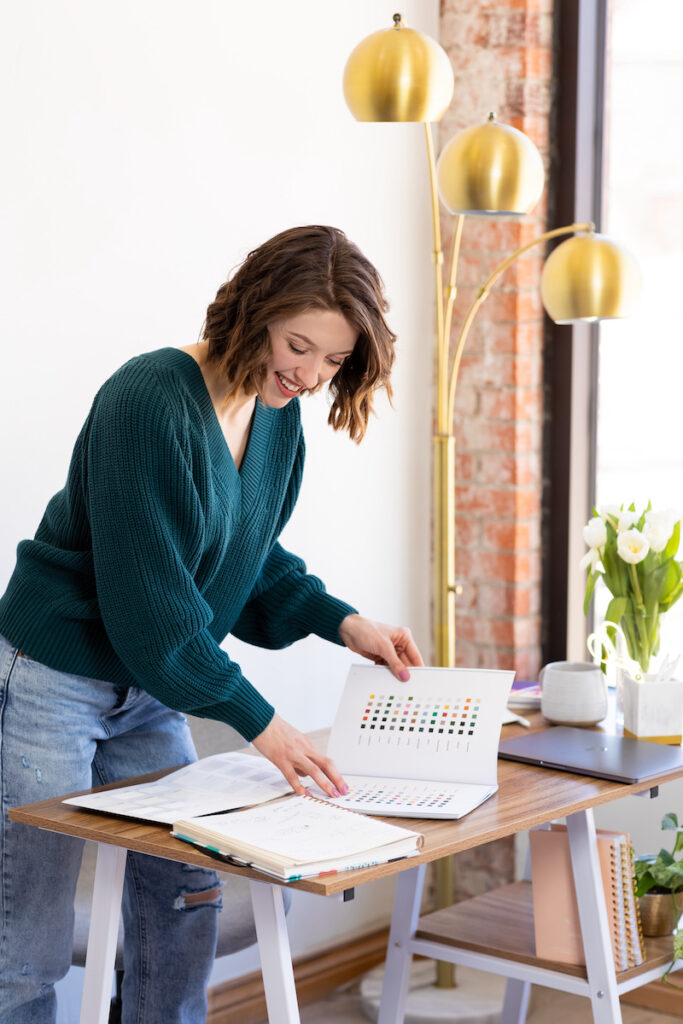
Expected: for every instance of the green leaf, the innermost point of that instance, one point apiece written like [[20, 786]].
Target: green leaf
[[591, 580], [673, 543], [617, 607], [665, 857], [668, 878], [650, 562], [644, 885], [615, 568], [670, 821], [678, 945], [644, 879], [672, 598], [659, 584]]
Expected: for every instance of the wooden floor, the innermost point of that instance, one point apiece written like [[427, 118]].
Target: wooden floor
[[547, 1007]]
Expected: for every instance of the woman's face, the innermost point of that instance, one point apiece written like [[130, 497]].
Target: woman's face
[[307, 349]]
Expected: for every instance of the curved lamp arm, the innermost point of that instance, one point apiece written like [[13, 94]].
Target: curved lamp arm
[[482, 294]]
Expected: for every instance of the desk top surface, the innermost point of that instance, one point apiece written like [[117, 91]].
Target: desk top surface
[[526, 796]]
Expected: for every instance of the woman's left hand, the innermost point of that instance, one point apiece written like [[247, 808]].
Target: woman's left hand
[[392, 646]]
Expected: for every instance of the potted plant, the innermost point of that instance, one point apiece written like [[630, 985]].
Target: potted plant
[[659, 888], [634, 553]]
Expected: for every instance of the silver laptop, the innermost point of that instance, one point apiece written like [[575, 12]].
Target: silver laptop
[[593, 753]]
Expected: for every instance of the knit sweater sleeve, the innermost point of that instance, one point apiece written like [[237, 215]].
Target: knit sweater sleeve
[[287, 603], [147, 527]]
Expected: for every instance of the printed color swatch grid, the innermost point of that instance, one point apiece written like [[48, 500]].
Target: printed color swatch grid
[[416, 797], [387, 713]]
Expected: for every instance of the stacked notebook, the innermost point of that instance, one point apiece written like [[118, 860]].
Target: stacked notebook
[[556, 914], [525, 695], [299, 836]]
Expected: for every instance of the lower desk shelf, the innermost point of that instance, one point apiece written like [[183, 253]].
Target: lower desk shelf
[[500, 924]]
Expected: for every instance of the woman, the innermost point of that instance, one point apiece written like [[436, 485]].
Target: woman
[[163, 541]]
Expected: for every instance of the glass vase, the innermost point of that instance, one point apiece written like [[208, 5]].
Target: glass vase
[[641, 632]]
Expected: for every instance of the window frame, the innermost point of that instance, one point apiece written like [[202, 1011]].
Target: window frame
[[571, 352]]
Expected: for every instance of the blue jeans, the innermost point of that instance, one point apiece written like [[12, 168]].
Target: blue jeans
[[58, 734]]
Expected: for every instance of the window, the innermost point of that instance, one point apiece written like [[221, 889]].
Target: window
[[639, 430]]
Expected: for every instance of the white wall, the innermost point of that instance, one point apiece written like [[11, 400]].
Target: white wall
[[147, 147]]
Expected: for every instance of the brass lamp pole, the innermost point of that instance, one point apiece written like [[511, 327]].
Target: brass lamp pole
[[399, 74]]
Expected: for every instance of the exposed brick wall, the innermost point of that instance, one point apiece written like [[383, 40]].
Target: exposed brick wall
[[502, 56]]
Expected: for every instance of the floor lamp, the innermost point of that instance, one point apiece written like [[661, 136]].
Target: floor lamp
[[490, 170]]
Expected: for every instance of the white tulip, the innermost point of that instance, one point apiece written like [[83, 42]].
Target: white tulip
[[609, 510], [592, 559], [595, 533], [656, 537], [626, 519], [633, 546], [658, 528]]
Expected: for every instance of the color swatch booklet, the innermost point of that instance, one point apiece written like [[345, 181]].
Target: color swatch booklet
[[423, 749]]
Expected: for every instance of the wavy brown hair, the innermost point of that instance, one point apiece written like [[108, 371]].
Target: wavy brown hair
[[314, 267]]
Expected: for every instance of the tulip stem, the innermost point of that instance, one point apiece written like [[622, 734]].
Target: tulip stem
[[641, 624], [636, 587]]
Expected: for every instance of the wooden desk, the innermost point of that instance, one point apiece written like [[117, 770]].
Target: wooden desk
[[527, 796]]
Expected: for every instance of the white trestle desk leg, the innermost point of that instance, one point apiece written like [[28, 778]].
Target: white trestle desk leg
[[104, 929], [399, 958], [595, 931], [516, 1002], [276, 959]]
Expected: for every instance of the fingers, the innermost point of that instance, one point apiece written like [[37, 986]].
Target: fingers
[[406, 653], [385, 645], [410, 652], [397, 667], [386, 653], [327, 776], [293, 779], [294, 754]]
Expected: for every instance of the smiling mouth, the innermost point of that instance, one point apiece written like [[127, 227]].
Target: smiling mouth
[[292, 389]]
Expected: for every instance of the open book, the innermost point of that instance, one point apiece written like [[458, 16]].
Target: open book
[[298, 836], [423, 749], [217, 783]]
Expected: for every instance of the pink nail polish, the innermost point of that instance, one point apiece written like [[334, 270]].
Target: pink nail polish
[[335, 792], [345, 790], [404, 676]]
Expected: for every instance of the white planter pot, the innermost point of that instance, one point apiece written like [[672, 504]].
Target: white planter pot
[[653, 710]]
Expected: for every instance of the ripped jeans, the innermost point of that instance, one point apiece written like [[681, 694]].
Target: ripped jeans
[[58, 734]]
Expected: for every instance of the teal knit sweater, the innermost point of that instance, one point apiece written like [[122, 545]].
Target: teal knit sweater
[[158, 547]]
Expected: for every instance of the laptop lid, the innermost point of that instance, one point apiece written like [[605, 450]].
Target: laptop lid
[[586, 752]]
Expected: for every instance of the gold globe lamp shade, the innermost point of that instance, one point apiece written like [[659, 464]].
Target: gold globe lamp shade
[[398, 74], [589, 277], [491, 170]]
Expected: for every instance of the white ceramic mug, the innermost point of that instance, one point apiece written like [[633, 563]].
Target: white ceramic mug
[[573, 693]]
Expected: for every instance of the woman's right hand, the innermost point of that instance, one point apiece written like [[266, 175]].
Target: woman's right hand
[[294, 754]]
